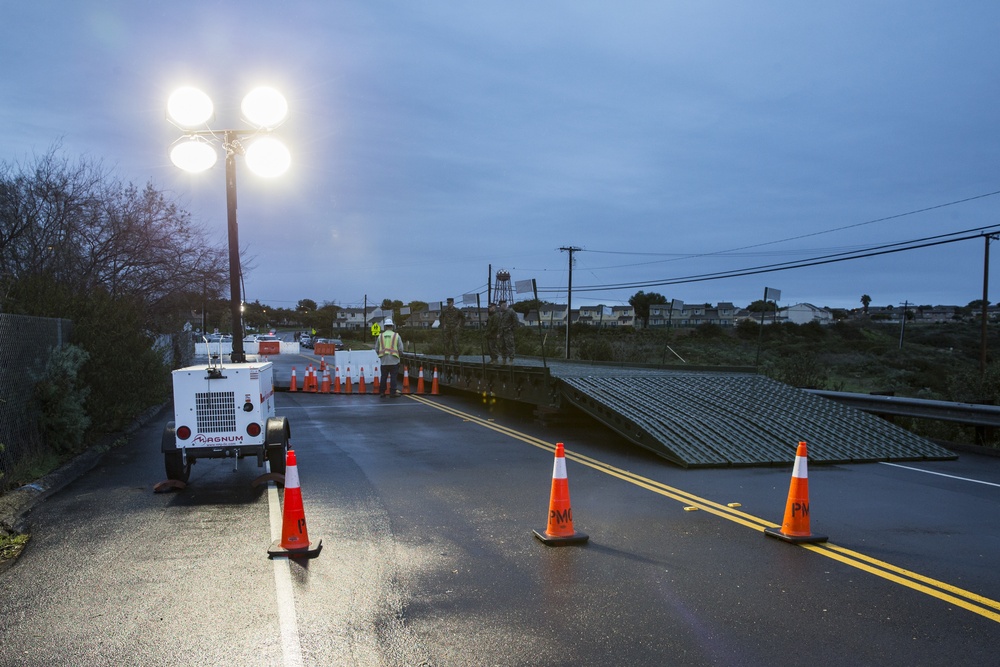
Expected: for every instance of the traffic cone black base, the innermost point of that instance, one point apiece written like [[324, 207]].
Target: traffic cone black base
[[308, 552], [794, 539], [575, 538]]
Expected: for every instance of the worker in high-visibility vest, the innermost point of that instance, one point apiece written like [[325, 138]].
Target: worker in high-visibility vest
[[389, 349]]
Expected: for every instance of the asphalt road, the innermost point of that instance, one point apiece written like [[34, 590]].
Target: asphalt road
[[425, 506]]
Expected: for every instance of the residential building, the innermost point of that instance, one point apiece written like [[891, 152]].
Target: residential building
[[622, 316], [803, 313], [593, 315], [357, 318]]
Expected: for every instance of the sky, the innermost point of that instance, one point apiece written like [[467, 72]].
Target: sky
[[434, 143]]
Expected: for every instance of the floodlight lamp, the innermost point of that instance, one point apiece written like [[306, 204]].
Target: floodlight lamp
[[268, 157], [190, 107], [264, 107], [193, 155]]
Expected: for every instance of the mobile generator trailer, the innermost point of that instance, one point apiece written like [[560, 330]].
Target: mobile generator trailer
[[224, 412]]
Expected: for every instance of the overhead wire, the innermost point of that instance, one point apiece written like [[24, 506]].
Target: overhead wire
[[872, 251], [676, 256]]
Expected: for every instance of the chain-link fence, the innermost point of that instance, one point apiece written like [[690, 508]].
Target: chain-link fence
[[25, 345]]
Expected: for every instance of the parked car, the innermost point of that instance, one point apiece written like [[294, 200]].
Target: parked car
[[337, 343]]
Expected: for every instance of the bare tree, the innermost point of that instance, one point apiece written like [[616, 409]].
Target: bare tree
[[84, 229]]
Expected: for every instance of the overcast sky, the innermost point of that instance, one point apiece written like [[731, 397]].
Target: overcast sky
[[432, 140]]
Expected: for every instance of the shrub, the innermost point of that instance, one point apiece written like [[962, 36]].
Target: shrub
[[813, 331], [125, 374], [596, 349], [61, 397], [799, 370], [747, 330], [709, 331]]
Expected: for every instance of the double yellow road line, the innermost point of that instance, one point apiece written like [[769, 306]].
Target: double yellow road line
[[959, 597]]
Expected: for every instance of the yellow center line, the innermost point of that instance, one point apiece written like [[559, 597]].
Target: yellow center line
[[968, 600]]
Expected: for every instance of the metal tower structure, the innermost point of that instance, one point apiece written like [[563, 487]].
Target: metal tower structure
[[502, 290]]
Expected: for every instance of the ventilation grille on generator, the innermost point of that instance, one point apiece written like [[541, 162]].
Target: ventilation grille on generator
[[216, 412]]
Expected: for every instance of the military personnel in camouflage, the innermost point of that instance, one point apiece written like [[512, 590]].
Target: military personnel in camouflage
[[493, 333], [508, 323], [452, 320]]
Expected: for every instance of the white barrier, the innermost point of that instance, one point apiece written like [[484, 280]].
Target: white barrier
[[355, 360], [202, 349]]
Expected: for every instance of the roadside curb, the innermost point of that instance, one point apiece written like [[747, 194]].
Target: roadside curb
[[18, 503]]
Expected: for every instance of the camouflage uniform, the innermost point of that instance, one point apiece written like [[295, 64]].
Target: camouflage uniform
[[508, 323], [451, 324], [493, 334]]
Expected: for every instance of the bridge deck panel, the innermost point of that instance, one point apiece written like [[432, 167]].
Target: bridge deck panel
[[701, 417]]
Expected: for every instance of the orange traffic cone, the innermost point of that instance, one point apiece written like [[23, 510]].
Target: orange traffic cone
[[313, 384], [406, 380], [336, 379], [325, 387], [434, 383], [376, 381], [294, 541], [559, 531], [795, 527], [347, 381], [420, 381], [292, 384], [322, 363], [361, 382]]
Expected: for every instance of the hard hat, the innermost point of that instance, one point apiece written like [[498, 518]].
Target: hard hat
[[388, 322]]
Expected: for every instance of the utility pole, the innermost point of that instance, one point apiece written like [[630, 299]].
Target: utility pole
[[902, 327], [986, 290], [569, 294]]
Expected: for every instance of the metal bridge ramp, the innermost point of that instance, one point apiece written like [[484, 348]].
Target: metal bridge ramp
[[739, 419]]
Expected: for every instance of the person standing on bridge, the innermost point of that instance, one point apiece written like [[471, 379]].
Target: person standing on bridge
[[492, 333], [508, 324], [389, 349], [452, 320]]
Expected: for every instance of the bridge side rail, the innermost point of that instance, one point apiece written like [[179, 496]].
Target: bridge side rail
[[972, 414]]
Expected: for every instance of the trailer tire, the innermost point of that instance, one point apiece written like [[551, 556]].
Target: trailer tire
[[173, 459], [276, 442]]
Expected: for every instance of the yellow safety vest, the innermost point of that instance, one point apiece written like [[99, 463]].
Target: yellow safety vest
[[388, 343]]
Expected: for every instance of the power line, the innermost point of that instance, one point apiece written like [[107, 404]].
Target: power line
[[874, 251], [675, 256]]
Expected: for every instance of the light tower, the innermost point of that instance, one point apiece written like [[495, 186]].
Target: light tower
[[264, 108], [502, 290]]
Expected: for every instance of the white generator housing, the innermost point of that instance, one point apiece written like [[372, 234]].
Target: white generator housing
[[224, 412]]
